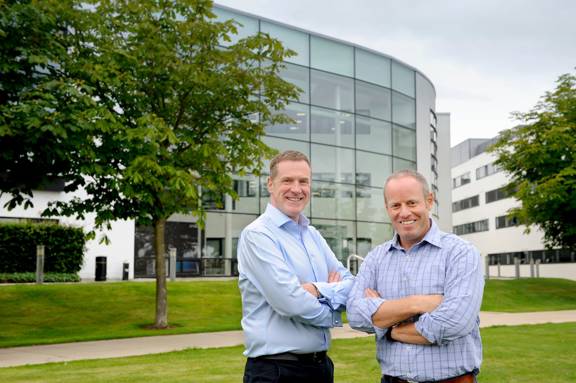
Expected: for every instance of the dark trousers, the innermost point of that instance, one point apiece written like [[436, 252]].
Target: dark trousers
[[259, 370]]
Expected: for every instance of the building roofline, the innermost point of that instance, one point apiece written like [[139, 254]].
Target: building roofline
[[216, 5]]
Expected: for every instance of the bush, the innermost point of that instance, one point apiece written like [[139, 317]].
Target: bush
[[64, 248], [31, 277]]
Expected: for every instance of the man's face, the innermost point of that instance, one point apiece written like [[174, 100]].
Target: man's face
[[409, 209], [290, 188]]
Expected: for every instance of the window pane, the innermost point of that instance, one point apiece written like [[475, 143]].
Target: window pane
[[373, 135], [370, 235], [331, 56], [291, 39], [400, 164], [403, 110], [248, 27], [332, 164], [404, 143], [332, 91], [375, 168], [297, 130], [403, 79], [330, 200], [372, 100], [331, 127], [339, 235], [281, 145], [372, 68], [248, 195], [370, 204], [300, 77]]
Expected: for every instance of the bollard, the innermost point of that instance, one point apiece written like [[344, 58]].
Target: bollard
[[39, 264], [125, 271], [172, 264]]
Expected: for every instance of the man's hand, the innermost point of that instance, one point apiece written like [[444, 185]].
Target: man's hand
[[369, 293], [311, 288], [334, 277]]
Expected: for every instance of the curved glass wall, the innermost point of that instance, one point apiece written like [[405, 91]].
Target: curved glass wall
[[356, 120]]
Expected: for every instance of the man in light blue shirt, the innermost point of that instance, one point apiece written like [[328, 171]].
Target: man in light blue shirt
[[420, 293], [293, 288]]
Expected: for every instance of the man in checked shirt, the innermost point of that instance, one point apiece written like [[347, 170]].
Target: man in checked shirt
[[420, 293]]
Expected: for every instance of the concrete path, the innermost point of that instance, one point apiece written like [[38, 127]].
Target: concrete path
[[18, 356]]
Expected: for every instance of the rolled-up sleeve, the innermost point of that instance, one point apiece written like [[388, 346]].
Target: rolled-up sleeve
[[262, 262], [359, 309], [457, 315]]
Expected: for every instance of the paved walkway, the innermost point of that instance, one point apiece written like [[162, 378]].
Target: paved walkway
[[18, 356]]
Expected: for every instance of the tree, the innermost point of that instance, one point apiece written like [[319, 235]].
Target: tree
[[178, 112], [45, 114], [540, 156]]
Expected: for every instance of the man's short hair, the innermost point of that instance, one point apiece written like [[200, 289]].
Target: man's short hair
[[288, 155], [408, 173]]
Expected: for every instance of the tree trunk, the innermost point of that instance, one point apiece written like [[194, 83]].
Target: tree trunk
[[161, 292]]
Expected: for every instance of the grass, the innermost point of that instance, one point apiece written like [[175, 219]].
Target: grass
[[529, 294], [32, 314], [527, 354]]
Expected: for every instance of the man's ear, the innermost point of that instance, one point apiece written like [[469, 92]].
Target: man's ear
[[430, 200], [269, 184]]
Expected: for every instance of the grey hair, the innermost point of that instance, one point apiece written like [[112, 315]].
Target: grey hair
[[408, 173]]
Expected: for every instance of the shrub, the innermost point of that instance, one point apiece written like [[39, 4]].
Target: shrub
[[64, 247], [31, 277]]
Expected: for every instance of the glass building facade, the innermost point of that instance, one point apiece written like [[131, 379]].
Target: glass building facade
[[357, 119]]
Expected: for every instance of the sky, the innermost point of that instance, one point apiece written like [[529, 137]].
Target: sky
[[486, 58]]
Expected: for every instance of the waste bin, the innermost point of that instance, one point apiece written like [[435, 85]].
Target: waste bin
[[125, 271], [100, 269]]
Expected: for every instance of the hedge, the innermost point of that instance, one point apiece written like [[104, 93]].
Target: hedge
[[31, 277], [63, 252]]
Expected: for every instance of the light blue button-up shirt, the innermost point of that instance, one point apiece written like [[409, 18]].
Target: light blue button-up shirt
[[275, 257], [443, 264]]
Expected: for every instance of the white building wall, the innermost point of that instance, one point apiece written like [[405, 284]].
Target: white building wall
[[510, 239], [444, 196], [120, 249]]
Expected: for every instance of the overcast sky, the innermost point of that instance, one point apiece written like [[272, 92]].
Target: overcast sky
[[486, 58]]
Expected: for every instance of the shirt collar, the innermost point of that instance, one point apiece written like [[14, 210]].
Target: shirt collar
[[433, 237], [280, 219]]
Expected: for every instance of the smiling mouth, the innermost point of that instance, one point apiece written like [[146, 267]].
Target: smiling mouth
[[410, 222], [295, 199]]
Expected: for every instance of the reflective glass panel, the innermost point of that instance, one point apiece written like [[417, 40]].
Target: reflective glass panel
[[332, 127], [339, 235], [332, 164], [332, 91], [298, 129], [291, 39], [404, 143], [372, 68], [373, 135], [300, 77], [248, 25], [400, 164], [373, 169], [331, 56], [370, 204], [403, 110], [247, 189], [370, 235], [403, 79], [330, 200], [372, 100]]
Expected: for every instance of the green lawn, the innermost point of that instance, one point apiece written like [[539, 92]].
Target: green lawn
[[55, 313], [32, 314], [529, 294], [527, 354]]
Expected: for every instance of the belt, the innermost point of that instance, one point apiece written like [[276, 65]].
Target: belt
[[466, 378], [313, 357]]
